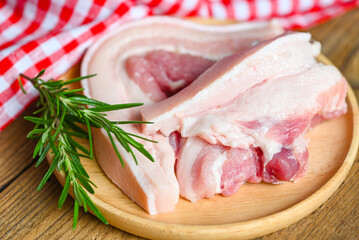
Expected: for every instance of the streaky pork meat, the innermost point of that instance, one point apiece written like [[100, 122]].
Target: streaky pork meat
[[231, 76], [154, 186], [244, 119]]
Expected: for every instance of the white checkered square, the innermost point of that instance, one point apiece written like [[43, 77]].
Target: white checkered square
[[8, 50], [3, 84], [29, 11], [264, 8], [104, 13], [138, 12], [186, 7], [12, 32], [4, 118], [306, 5], [284, 7], [219, 11], [23, 64], [241, 10], [5, 13], [13, 107], [77, 31], [325, 3], [83, 7], [50, 20], [50, 46]]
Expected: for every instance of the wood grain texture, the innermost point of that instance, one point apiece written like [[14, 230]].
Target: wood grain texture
[[13, 139], [25, 213]]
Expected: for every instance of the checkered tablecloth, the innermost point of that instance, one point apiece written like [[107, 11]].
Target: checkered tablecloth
[[54, 34]]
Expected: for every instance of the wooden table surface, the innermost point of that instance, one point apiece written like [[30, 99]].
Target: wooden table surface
[[27, 214]]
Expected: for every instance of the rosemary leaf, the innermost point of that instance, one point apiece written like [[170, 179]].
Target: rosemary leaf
[[38, 120], [43, 155], [78, 79], [40, 73], [90, 136], [87, 101], [134, 157], [48, 173], [115, 147], [61, 121], [35, 132], [122, 141], [78, 166], [39, 110], [57, 105], [76, 215], [94, 208], [37, 148], [130, 122], [21, 85], [79, 146], [85, 183], [115, 107], [70, 91], [74, 127], [146, 153], [62, 110], [143, 138], [76, 134], [65, 192]]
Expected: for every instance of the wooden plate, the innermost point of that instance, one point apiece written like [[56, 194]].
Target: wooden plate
[[256, 209]]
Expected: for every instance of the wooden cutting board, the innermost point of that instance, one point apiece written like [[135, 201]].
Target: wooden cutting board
[[256, 209]]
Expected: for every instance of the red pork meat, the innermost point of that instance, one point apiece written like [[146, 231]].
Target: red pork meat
[[147, 61], [161, 73], [244, 119]]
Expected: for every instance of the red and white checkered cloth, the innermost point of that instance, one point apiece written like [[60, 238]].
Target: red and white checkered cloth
[[38, 34]]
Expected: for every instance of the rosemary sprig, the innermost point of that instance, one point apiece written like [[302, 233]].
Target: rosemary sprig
[[61, 110]]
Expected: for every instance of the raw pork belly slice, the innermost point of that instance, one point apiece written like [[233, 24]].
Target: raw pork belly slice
[[231, 76], [244, 119], [154, 186]]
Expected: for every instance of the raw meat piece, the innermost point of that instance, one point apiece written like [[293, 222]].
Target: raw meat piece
[[231, 76], [241, 165], [161, 74], [204, 169], [197, 170], [262, 102], [153, 186]]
